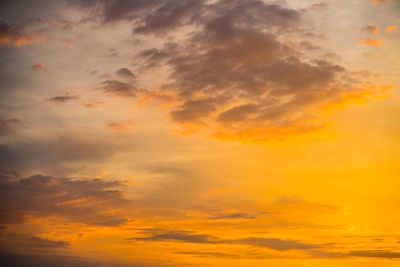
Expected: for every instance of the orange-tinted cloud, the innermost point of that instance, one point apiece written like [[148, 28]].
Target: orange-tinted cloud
[[11, 35], [379, 2], [372, 42], [39, 66]]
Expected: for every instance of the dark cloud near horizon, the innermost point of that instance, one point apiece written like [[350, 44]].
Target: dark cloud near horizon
[[29, 244], [23, 259], [86, 201], [164, 235]]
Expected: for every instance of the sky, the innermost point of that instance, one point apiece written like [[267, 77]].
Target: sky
[[167, 133]]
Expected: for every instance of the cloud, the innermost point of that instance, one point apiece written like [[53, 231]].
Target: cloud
[[8, 126], [55, 154], [120, 126], [125, 73], [163, 235], [94, 104], [152, 235], [372, 42], [236, 74], [380, 2], [39, 66], [10, 34], [383, 254], [89, 201], [391, 28], [62, 99], [276, 244], [236, 215], [118, 88], [148, 16], [238, 67], [18, 242], [371, 29], [60, 260]]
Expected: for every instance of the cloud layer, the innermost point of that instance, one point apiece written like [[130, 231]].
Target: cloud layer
[[84, 201]]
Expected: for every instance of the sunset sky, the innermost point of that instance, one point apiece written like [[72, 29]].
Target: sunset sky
[[175, 133]]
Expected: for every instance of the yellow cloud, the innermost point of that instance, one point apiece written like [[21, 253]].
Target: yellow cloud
[[391, 28]]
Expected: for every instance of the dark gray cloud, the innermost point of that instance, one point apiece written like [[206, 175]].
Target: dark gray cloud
[[29, 244], [62, 99], [147, 16], [86, 201], [60, 260], [125, 73], [118, 88], [174, 236], [7, 32], [163, 235]]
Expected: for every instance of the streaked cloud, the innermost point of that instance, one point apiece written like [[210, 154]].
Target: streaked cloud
[[85, 201], [61, 99]]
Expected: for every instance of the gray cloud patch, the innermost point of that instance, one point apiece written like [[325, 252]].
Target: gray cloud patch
[[384, 254], [174, 236], [85, 201], [125, 73], [62, 99], [275, 243], [27, 243], [163, 235], [118, 88]]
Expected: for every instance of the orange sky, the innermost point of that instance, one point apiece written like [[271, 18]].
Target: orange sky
[[199, 133]]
